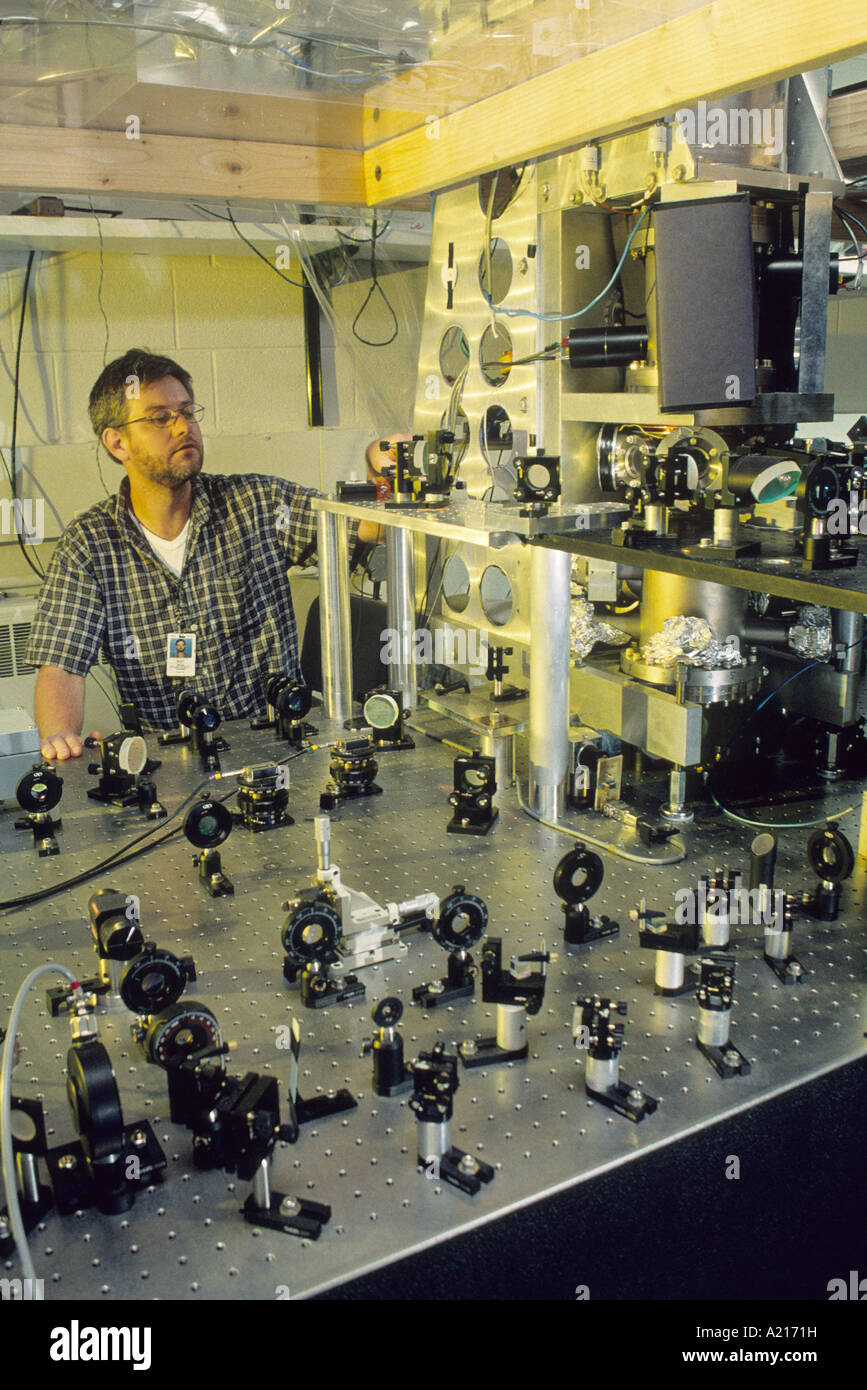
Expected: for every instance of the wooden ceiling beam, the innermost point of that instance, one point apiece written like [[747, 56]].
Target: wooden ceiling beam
[[50, 159], [725, 47]]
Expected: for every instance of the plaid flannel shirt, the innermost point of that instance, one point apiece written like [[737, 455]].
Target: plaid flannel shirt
[[106, 590]]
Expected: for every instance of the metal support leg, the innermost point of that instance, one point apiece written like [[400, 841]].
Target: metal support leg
[[334, 626], [549, 679], [400, 610]]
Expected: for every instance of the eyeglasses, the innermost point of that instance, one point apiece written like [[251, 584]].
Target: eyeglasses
[[164, 419]]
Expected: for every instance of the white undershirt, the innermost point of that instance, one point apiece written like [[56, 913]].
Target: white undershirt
[[170, 552]]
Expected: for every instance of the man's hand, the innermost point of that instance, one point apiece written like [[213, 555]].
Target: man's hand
[[370, 533], [65, 745], [59, 706]]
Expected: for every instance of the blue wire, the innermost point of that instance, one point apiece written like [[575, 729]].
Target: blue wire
[[559, 318]]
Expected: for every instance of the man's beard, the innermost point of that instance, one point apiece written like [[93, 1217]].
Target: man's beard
[[174, 471]]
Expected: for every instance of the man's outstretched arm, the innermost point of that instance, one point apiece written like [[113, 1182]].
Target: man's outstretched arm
[[59, 710]]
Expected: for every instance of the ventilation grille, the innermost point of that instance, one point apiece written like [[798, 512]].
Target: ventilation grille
[[14, 637], [16, 620], [7, 667], [20, 634]]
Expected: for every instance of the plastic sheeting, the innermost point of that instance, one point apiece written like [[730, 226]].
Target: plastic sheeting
[[418, 60]]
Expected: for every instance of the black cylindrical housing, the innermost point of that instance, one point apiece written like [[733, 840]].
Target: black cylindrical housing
[[606, 347], [826, 902], [763, 858], [787, 273], [388, 1069]]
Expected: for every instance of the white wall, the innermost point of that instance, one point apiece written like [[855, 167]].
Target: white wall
[[234, 326]]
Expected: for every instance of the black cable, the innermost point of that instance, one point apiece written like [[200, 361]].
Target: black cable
[[852, 218], [433, 564], [36, 568], [360, 240], [270, 264], [210, 211], [856, 220], [126, 853], [119, 856], [374, 286]]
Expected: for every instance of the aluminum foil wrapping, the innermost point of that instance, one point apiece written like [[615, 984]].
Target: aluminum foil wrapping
[[691, 640], [811, 634], [585, 629]]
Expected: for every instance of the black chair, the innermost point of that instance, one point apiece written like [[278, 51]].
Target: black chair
[[368, 621]]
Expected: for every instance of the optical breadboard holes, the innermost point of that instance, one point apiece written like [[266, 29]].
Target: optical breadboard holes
[[495, 594], [454, 353], [495, 437], [456, 584], [495, 354], [499, 258]]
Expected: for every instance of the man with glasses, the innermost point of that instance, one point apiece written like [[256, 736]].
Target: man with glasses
[[176, 556]]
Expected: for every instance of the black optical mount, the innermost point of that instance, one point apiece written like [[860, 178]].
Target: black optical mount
[[176, 1033], [496, 670], [597, 1028], [38, 793], [382, 712], [778, 941], [832, 483], [462, 921], [390, 1076], [714, 992], [518, 993], [435, 1080], [206, 825], [831, 857], [199, 721], [537, 482], [117, 938], [672, 942], [475, 782], [352, 771], [122, 757], [311, 937], [577, 878], [235, 1122], [288, 700], [111, 1160], [154, 979], [263, 798], [148, 800], [319, 1107], [29, 1144]]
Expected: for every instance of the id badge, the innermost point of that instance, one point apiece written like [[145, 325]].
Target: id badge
[[181, 654]]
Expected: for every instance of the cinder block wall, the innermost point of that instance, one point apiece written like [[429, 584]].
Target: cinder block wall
[[235, 327]]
